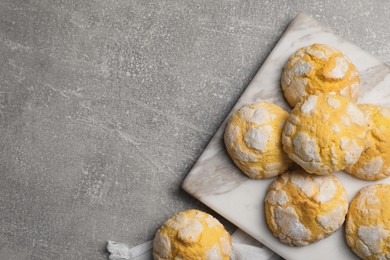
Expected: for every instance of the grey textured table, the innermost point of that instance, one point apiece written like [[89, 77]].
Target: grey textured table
[[105, 106]]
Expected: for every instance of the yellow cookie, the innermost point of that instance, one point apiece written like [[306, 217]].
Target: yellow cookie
[[368, 223], [192, 235], [374, 162], [253, 140], [317, 69], [325, 133], [301, 208]]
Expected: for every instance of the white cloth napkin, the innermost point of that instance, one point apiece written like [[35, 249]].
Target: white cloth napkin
[[244, 248]]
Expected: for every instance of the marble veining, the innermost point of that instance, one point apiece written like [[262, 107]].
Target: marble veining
[[217, 182]]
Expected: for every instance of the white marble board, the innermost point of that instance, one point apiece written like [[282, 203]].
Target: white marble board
[[217, 182]]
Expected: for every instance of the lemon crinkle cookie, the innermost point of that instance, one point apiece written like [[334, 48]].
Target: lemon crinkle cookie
[[368, 223], [253, 140], [302, 208], [317, 69], [374, 162], [192, 234], [325, 133]]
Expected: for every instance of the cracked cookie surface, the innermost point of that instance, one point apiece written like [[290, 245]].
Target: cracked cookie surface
[[253, 140], [374, 162], [318, 69], [301, 208], [192, 235], [368, 223], [325, 133]]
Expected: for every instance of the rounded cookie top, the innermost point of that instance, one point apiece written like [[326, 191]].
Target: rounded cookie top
[[192, 234], [368, 223], [317, 69], [302, 208], [253, 140], [325, 133], [374, 162]]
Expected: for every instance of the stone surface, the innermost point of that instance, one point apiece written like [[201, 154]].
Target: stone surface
[[106, 105]]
